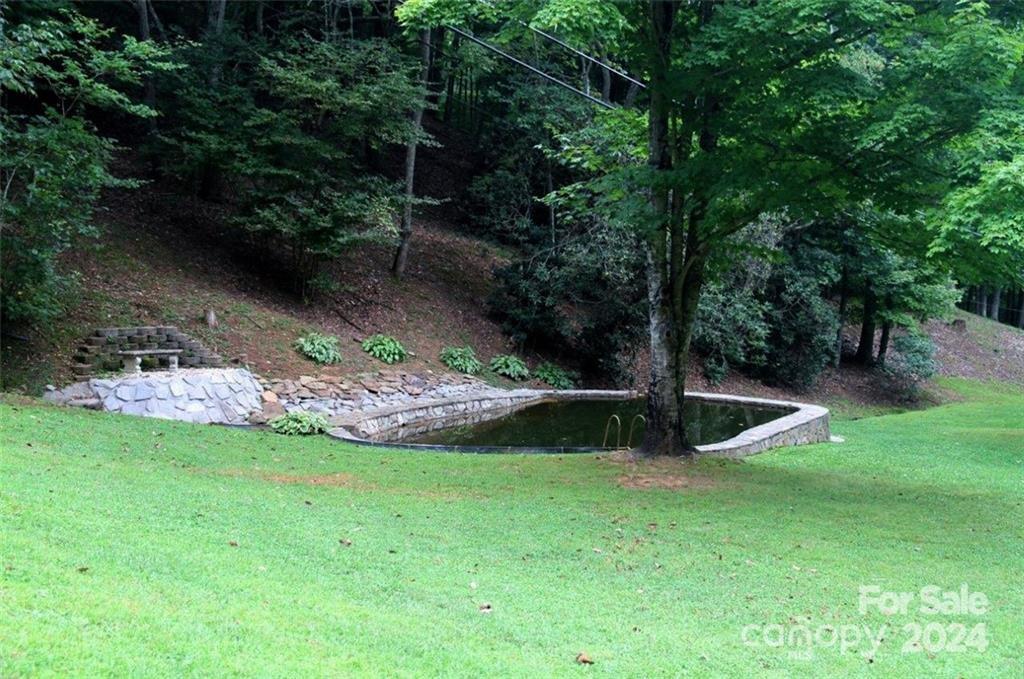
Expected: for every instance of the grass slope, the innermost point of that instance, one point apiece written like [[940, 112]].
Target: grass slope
[[131, 546]]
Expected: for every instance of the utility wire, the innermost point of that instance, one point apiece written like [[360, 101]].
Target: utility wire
[[523, 64], [569, 47]]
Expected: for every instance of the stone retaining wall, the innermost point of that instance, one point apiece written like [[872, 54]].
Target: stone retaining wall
[[202, 396], [337, 398], [98, 353], [402, 421]]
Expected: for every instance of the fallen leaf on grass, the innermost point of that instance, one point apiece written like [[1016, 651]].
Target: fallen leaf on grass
[[584, 659], [346, 542], [233, 543], [486, 608], [82, 569]]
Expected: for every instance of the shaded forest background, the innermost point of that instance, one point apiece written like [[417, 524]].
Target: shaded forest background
[[162, 159]]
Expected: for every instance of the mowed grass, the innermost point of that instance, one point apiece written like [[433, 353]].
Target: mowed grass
[[145, 548]]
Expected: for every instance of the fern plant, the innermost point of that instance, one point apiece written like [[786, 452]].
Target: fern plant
[[319, 348], [557, 377], [461, 359], [385, 348], [510, 366], [299, 424]]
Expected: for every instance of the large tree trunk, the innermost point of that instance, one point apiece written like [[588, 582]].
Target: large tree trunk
[[449, 98], [405, 236], [661, 436], [883, 342], [1020, 309], [606, 81], [210, 175], [997, 296], [984, 305], [435, 77], [631, 93], [671, 307], [214, 27], [149, 98], [844, 295], [549, 185], [866, 346]]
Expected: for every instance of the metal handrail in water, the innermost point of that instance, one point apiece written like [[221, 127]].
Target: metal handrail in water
[[632, 424], [618, 432]]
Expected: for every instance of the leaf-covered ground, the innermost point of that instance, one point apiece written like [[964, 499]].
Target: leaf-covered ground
[[137, 547]]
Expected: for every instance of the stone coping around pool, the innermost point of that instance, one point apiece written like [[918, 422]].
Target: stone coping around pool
[[805, 423]]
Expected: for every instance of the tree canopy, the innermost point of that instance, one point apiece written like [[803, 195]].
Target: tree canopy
[[750, 177]]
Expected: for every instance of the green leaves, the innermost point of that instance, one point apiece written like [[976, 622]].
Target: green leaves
[[54, 163], [912, 362], [290, 134], [461, 359], [417, 14], [509, 366], [584, 23], [299, 424], [319, 348], [385, 348], [557, 377], [67, 58]]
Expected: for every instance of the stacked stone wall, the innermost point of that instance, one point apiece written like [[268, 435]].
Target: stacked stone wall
[[204, 396], [98, 353]]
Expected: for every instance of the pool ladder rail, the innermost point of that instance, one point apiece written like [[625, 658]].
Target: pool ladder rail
[[618, 430]]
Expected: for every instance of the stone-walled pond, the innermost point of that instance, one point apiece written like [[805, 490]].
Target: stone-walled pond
[[600, 423], [447, 412]]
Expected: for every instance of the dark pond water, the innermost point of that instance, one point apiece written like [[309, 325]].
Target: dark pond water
[[582, 424]]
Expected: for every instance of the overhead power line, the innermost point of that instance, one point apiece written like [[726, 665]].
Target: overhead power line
[[569, 47], [529, 67]]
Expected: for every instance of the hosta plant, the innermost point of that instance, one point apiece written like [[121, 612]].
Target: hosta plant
[[319, 348], [510, 366], [551, 374], [461, 359], [385, 348], [299, 424]]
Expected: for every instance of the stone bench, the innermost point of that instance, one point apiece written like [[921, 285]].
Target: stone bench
[[132, 360]]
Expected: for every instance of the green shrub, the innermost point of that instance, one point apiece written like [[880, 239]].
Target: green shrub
[[299, 424], [715, 369], [589, 298], [730, 330], [461, 359], [319, 348], [802, 324], [912, 363], [60, 71], [385, 348], [510, 366], [551, 374]]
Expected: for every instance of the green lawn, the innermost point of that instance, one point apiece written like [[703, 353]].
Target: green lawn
[[138, 547]]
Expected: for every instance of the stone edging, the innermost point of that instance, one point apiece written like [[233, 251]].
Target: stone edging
[[806, 424]]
